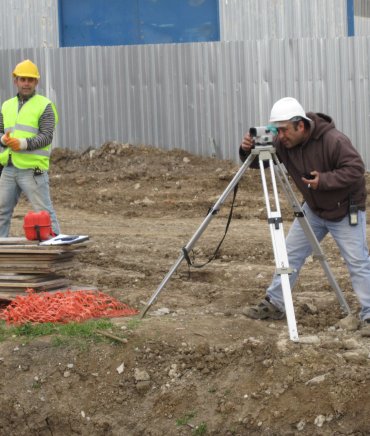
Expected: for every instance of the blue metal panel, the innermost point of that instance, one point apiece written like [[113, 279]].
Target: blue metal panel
[[350, 18], [122, 22], [166, 21], [98, 22]]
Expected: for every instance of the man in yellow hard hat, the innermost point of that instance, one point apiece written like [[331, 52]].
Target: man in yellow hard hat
[[27, 123]]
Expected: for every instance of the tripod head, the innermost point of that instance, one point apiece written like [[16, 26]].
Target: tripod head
[[263, 135]]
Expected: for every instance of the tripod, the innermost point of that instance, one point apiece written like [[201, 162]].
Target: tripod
[[267, 153]]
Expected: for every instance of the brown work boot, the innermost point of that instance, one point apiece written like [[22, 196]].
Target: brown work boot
[[264, 310], [365, 329]]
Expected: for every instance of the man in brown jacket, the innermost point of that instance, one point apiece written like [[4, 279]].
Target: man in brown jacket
[[330, 174]]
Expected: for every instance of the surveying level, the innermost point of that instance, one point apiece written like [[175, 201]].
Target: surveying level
[[267, 153]]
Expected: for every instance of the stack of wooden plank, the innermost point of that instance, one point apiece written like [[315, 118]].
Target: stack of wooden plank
[[26, 264]]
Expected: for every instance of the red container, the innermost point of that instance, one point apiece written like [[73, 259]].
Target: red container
[[37, 226]]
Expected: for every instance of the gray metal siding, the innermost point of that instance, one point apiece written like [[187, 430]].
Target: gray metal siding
[[277, 19], [362, 17], [28, 24], [195, 96], [200, 97], [35, 23]]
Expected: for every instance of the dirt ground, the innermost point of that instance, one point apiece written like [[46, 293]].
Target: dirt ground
[[194, 365]]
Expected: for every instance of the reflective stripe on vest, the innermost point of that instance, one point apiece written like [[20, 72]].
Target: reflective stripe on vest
[[25, 128], [24, 124]]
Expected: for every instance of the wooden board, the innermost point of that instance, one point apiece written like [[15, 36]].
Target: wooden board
[[28, 277], [45, 284], [8, 258], [25, 264], [56, 249], [36, 269], [16, 241]]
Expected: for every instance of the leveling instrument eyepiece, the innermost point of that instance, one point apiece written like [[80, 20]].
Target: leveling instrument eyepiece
[[263, 135]]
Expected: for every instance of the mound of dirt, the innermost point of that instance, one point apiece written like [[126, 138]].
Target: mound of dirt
[[194, 365]]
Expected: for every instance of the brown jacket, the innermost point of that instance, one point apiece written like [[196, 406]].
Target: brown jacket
[[331, 153]]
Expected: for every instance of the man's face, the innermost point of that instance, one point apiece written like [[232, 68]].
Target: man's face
[[291, 135], [26, 85]]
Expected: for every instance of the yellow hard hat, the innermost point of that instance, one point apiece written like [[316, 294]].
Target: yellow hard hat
[[26, 69]]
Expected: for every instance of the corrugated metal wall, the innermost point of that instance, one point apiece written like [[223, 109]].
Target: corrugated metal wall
[[200, 97], [191, 96], [28, 23], [35, 23], [362, 17], [275, 19]]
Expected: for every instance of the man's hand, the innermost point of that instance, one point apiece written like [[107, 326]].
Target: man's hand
[[247, 143], [14, 143], [5, 138], [313, 181]]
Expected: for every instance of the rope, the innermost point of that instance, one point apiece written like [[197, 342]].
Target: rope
[[63, 307]]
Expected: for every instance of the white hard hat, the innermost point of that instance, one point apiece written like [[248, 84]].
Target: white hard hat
[[285, 109]]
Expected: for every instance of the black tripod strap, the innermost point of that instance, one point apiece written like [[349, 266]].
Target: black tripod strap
[[185, 251]]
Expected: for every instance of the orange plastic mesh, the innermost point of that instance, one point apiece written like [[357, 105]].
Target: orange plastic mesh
[[63, 307]]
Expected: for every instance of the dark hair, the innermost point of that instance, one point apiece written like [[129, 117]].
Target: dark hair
[[296, 120]]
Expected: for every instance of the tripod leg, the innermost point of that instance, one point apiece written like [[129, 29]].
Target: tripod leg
[[279, 246], [310, 235], [162, 285], [212, 212]]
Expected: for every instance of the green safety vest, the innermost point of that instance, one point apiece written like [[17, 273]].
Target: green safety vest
[[25, 124]]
